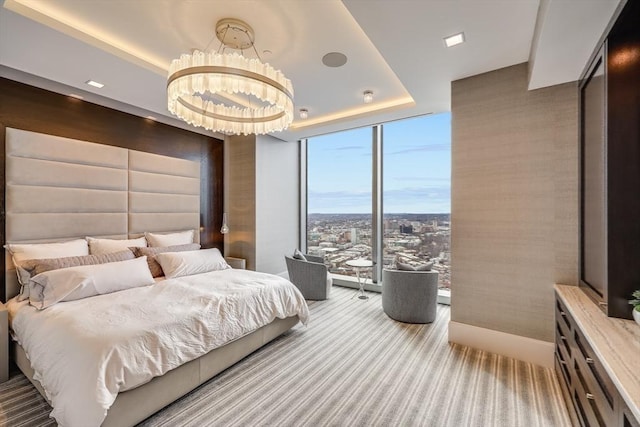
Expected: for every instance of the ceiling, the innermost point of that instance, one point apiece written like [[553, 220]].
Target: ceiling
[[394, 48]]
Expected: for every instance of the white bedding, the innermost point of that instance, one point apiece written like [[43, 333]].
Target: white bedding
[[84, 352]]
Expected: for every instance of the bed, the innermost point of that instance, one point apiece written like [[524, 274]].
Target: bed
[[58, 189]]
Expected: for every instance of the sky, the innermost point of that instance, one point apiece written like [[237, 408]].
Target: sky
[[416, 168]]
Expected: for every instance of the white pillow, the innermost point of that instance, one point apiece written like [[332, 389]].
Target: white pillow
[[73, 283], [107, 246], [177, 264], [171, 239], [22, 252]]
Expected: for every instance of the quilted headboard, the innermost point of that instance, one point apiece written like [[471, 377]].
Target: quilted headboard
[[60, 188]]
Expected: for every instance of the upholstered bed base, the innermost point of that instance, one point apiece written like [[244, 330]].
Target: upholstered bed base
[[59, 189], [135, 405]]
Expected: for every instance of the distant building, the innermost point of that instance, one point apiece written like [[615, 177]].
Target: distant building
[[406, 229], [344, 237]]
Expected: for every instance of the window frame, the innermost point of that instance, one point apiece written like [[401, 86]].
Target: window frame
[[377, 213]]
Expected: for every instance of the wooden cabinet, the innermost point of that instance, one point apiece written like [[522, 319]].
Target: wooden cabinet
[[610, 166], [627, 419], [587, 386], [237, 263]]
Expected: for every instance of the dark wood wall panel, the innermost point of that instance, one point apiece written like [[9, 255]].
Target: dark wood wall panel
[[38, 110], [623, 158], [618, 170]]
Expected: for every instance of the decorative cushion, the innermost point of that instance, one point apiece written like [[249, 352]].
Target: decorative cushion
[[150, 253], [424, 267], [177, 264], [22, 252], [105, 246], [404, 266], [33, 267], [170, 239], [299, 255], [73, 283]]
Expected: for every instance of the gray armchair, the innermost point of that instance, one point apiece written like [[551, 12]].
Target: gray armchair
[[410, 296], [310, 277]]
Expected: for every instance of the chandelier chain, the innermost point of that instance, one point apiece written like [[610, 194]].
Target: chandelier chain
[[209, 44], [222, 45], [256, 51]]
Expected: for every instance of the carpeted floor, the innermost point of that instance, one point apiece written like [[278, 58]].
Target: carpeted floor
[[352, 366]]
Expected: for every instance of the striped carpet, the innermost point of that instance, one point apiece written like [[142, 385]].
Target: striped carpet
[[352, 366]]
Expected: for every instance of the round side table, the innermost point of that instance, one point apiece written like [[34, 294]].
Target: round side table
[[357, 265]]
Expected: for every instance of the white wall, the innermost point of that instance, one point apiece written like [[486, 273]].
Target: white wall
[[261, 199], [277, 206]]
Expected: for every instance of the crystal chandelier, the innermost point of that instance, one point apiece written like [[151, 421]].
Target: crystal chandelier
[[203, 88]]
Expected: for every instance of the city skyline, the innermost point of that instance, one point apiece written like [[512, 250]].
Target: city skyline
[[413, 239]]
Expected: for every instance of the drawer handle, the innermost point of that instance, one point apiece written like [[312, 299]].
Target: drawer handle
[[563, 314], [590, 396], [590, 361], [562, 362], [563, 338]]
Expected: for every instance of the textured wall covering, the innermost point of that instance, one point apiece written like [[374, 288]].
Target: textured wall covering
[[514, 200], [240, 197]]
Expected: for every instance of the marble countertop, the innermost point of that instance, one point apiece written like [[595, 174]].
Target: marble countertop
[[615, 341]]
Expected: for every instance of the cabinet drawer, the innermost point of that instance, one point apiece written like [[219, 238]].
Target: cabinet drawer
[[562, 316], [588, 401], [563, 331], [629, 421], [594, 371], [592, 397], [563, 346], [562, 369]]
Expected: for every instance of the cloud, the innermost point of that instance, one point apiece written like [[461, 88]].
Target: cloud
[[427, 199], [421, 179], [422, 148], [347, 148], [421, 193], [424, 199], [338, 195]]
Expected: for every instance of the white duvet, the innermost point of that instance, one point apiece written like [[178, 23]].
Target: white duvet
[[84, 352]]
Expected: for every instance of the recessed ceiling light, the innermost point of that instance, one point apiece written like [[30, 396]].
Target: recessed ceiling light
[[94, 84], [367, 96], [304, 113], [73, 95], [151, 118], [454, 40]]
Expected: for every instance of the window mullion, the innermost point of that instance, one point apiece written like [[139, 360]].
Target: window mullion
[[302, 196], [376, 199]]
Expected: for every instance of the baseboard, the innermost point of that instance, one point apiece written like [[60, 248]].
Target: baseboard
[[521, 348]]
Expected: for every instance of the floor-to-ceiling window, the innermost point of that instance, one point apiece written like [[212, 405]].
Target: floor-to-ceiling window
[[417, 193], [347, 209], [339, 198]]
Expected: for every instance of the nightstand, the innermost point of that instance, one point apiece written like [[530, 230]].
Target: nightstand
[[4, 343], [237, 263]]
